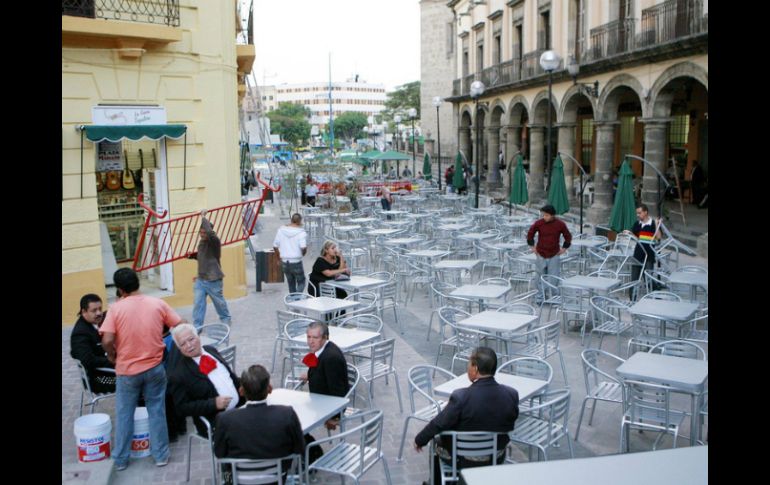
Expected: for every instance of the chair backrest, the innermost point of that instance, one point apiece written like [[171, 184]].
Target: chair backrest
[[285, 316], [679, 348], [470, 445], [380, 353], [526, 297], [551, 285], [421, 381], [662, 295], [528, 367], [371, 323], [328, 290], [592, 361], [219, 332], [494, 281], [296, 327], [604, 273], [353, 377], [381, 275], [574, 298], [259, 472], [84, 376], [605, 309], [646, 330], [523, 308], [451, 315], [649, 403], [388, 290], [554, 406], [228, 353]]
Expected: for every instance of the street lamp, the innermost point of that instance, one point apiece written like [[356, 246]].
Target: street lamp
[[412, 115], [397, 119], [590, 90], [477, 89], [549, 61], [437, 103]]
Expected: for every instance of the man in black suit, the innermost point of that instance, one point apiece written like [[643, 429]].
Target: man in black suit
[[86, 344], [327, 369], [258, 430], [484, 406], [200, 382]]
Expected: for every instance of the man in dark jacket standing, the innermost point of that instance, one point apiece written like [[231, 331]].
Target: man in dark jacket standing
[[484, 406], [86, 344], [210, 275], [200, 382], [547, 250]]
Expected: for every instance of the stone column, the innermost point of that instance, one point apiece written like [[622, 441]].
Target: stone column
[[464, 141], [536, 181], [512, 145], [493, 164], [600, 210], [655, 153], [567, 145]]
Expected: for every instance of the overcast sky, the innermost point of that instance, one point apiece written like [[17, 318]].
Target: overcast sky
[[377, 39]]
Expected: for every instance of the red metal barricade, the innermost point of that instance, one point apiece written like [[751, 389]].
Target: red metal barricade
[[164, 241]]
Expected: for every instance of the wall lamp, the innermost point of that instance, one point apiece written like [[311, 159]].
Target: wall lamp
[[591, 90]]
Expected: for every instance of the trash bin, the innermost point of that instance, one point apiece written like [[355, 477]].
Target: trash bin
[[268, 268]]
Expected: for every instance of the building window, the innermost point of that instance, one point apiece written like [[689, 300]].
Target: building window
[[480, 56], [450, 38], [678, 132], [627, 125], [544, 31], [586, 143]]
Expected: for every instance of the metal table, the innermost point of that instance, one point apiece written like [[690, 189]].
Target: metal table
[[312, 409], [321, 306], [526, 386]]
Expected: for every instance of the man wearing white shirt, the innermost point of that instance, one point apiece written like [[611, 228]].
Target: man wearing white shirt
[[200, 382], [311, 190], [290, 245]]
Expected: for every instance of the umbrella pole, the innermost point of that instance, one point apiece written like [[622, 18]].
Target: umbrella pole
[[510, 187], [581, 203]]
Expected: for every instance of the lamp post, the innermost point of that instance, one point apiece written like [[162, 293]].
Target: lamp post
[[412, 115], [591, 90], [477, 89], [549, 61], [582, 185], [437, 103], [397, 119], [661, 177], [510, 180]]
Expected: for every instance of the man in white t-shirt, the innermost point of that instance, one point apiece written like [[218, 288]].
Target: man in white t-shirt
[[290, 245], [311, 190]]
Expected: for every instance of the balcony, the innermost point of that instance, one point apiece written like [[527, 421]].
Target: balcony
[[672, 20], [612, 38], [131, 25]]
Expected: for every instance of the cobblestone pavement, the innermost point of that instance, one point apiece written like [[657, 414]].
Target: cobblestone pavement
[[253, 331]]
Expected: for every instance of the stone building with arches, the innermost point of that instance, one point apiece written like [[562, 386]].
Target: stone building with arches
[[641, 89]]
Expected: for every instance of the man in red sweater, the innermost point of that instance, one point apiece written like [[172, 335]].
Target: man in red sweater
[[547, 250]]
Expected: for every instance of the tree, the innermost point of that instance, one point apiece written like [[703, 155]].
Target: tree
[[348, 125], [399, 101], [290, 121]]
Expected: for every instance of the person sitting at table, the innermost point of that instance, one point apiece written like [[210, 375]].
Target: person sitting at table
[[200, 381], [483, 406], [328, 265], [258, 430], [86, 344]]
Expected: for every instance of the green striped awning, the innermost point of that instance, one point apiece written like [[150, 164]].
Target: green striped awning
[[114, 133]]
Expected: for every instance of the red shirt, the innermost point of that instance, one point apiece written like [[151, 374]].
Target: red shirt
[[548, 238]]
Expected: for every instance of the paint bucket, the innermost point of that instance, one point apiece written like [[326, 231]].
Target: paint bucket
[[140, 441], [92, 436]]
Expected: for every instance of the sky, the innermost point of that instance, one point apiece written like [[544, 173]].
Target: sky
[[377, 39]]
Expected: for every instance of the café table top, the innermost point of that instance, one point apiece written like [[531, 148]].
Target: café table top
[[321, 304], [687, 278], [480, 292], [679, 372], [344, 338], [427, 253], [381, 232], [669, 310], [595, 283], [497, 321], [468, 264], [312, 409], [526, 386], [356, 282]]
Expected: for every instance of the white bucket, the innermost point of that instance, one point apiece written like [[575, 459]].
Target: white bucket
[[140, 442], [92, 436]]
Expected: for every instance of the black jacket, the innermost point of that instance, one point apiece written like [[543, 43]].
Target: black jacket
[[330, 377], [86, 346], [258, 431], [192, 391]]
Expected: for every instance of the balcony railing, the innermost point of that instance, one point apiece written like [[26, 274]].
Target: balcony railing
[[164, 12], [612, 38], [530, 64], [671, 20]]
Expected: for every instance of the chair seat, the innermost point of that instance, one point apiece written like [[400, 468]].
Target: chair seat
[[345, 458], [613, 327], [535, 431], [428, 412], [380, 369], [655, 418], [536, 350], [607, 391]]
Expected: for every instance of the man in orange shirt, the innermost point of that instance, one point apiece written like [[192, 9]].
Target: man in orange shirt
[[132, 338]]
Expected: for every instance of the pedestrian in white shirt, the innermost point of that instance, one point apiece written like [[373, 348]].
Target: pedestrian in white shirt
[[290, 245]]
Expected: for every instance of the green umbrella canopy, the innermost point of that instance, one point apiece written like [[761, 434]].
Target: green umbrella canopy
[[458, 179], [362, 161], [623, 215], [426, 167], [390, 155], [557, 192], [370, 154], [347, 154], [519, 193]]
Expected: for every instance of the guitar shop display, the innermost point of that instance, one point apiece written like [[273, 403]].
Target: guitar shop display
[[113, 180], [99, 181]]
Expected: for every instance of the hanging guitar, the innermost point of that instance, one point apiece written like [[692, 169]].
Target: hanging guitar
[[138, 173], [128, 179], [99, 181], [113, 180]]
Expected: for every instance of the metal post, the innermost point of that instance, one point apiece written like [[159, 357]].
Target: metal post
[[582, 186], [548, 148], [414, 151], [438, 141], [478, 153]]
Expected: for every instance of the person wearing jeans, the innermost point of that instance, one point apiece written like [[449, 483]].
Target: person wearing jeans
[[210, 275], [547, 250], [290, 245]]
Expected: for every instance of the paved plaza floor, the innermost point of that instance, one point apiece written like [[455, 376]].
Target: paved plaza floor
[[253, 331]]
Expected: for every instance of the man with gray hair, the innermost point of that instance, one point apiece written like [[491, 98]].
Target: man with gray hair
[[290, 245], [200, 381]]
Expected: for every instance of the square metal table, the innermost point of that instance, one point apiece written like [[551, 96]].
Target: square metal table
[[676, 312], [357, 283], [685, 375], [381, 232], [597, 284], [321, 306], [481, 292], [526, 386], [693, 280], [312, 409], [345, 338], [497, 321]]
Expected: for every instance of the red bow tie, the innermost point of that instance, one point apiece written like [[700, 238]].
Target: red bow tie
[[310, 360], [207, 364]]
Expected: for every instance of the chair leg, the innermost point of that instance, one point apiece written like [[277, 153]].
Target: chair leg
[[189, 456], [387, 472], [403, 439], [81, 398], [563, 369], [398, 391], [593, 408], [569, 442], [580, 419]]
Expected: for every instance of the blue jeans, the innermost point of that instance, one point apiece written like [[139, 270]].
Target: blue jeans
[[152, 385], [295, 276], [551, 266], [213, 289]]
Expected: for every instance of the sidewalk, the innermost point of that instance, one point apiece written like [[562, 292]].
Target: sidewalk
[[253, 331]]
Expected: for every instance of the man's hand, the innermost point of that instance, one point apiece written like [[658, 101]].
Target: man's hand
[[222, 402], [417, 448], [203, 212], [534, 251], [331, 424], [562, 251], [303, 376]]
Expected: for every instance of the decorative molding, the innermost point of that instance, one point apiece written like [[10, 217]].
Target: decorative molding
[[495, 14], [478, 25]]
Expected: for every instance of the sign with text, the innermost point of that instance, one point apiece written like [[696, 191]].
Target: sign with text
[[109, 156], [128, 115]]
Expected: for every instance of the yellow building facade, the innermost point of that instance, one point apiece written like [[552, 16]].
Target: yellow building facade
[[178, 64]]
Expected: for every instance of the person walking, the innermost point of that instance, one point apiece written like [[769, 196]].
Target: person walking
[[210, 275], [290, 245], [547, 250]]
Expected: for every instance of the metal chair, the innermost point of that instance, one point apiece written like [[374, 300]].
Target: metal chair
[[648, 406], [370, 323], [218, 332], [695, 334], [474, 445], [94, 397], [543, 425], [600, 385], [367, 303], [282, 318], [419, 274], [295, 297], [466, 341], [679, 348], [228, 353], [532, 367], [607, 319], [209, 438], [388, 299], [258, 472], [448, 315], [662, 295], [494, 304], [355, 457], [542, 342], [379, 364], [646, 332], [551, 292], [421, 382], [574, 301]]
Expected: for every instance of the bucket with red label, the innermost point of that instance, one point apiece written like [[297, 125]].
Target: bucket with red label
[[92, 436], [140, 441]]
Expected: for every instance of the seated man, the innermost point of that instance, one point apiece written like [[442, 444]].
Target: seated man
[[86, 344], [258, 430], [200, 382], [484, 406]]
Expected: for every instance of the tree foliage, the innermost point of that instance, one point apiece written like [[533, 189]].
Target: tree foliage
[[399, 101], [290, 121], [348, 125]]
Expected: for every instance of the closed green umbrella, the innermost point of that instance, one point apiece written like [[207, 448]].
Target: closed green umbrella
[[623, 215], [557, 192], [519, 193], [458, 179], [426, 167]]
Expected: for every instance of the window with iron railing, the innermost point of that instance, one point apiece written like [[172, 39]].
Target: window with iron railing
[[679, 130], [144, 11], [586, 143]]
